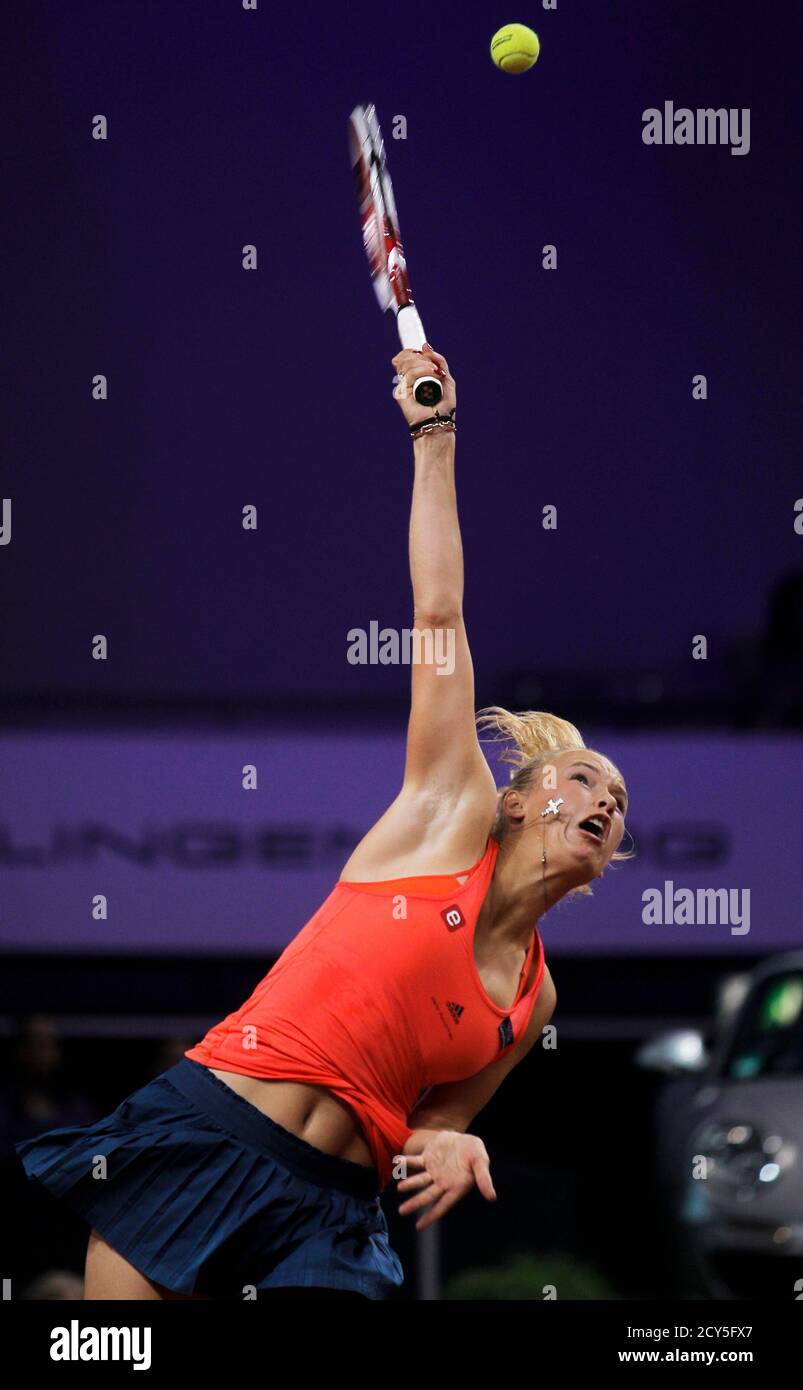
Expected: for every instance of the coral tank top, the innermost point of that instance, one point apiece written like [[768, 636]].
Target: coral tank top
[[377, 999]]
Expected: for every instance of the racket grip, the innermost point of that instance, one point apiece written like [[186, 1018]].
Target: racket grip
[[428, 390]]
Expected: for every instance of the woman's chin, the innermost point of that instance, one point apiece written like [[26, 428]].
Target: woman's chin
[[588, 867]]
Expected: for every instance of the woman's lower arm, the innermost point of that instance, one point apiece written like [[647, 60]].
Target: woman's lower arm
[[418, 1138], [436, 550], [427, 1120]]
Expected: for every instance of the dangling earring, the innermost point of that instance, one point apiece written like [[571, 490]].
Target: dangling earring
[[543, 870]]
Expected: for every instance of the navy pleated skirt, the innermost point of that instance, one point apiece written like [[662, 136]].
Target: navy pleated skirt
[[203, 1193]]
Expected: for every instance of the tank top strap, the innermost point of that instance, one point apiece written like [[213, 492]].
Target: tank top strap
[[526, 997]]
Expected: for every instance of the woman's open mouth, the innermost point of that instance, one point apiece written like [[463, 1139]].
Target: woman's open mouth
[[596, 827]]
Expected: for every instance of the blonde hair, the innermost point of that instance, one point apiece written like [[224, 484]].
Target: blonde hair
[[534, 735]]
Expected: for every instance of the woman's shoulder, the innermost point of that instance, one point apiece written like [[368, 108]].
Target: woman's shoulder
[[422, 834]]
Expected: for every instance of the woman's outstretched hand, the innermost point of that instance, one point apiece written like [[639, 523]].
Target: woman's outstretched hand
[[409, 365], [449, 1165]]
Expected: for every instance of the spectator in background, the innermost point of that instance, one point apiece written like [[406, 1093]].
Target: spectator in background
[[38, 1096], [780, 682], [765, 668], [168, 1052], [55, 1284]]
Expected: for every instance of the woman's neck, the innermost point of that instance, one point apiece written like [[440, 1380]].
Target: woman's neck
[[521, 891]]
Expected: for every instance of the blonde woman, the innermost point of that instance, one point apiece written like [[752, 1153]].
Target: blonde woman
[[254, 1167]]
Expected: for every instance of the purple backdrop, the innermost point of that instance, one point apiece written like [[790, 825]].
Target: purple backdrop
[[274, 388]]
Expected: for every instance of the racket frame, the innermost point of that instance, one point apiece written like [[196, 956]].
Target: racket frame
[[382, 239]]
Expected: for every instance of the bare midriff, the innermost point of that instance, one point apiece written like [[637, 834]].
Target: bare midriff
[[310, 1112]]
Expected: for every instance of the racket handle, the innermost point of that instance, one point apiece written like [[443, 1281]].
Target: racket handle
[[428, 390]]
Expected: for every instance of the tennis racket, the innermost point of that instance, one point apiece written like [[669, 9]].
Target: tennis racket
[[381, 239]]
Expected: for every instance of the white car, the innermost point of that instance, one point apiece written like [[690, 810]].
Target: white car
[[729, 1131]]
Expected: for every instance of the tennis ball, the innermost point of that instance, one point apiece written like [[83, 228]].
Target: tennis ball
[[515, 48]]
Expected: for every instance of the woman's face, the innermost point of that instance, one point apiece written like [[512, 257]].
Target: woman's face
[[591, 787]]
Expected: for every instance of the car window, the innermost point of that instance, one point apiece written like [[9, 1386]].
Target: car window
[[769, 1038]]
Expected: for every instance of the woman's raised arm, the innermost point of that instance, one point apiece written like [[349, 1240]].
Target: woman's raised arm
[[444, 758], [442, 814]]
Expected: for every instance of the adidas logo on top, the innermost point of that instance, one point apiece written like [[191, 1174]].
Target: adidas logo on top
[[455, 1010]]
